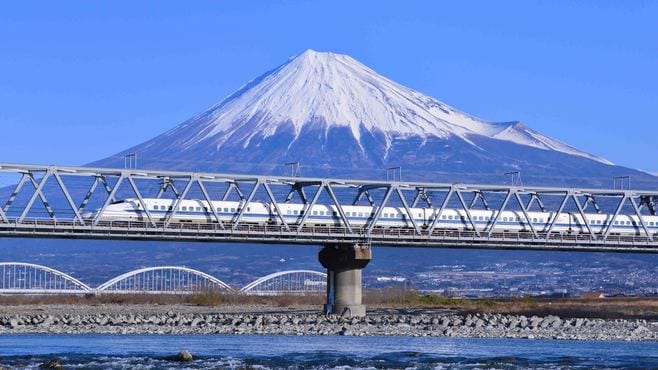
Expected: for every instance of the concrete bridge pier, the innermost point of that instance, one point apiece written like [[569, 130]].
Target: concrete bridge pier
[[344, 264]]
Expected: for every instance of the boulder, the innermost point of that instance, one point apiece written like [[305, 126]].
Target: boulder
[[54, 363], [13, 323], [183, 356]]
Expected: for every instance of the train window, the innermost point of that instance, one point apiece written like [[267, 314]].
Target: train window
[[296, 212], [162, 208], [504, 218], [248, 209], [534, 219], [232, 209], [449, 217], [335, 213], [198, 209], [184, 208], [360, 214]]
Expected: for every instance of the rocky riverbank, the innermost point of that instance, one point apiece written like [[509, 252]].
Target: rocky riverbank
[[125, 319]]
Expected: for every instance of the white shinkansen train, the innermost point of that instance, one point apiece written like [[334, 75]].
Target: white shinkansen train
[[198, 211]]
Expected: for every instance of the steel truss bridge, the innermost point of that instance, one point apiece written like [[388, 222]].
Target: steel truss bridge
[[64, 209], [29, 278]]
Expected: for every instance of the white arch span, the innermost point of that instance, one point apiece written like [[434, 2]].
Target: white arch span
[[83, 288], [249, 287], [220, 284]]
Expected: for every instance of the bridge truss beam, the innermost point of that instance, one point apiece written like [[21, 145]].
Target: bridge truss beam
[[17, 219]]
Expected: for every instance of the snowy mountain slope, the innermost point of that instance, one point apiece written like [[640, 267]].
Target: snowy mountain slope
[[340, 118], [334, 90]]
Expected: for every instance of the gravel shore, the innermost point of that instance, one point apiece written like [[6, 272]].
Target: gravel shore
[[182, 319]]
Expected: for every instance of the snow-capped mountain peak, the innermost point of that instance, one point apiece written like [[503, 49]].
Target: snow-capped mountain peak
[[324, 91]]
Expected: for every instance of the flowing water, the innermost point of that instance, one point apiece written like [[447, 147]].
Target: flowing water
[[324, 352]]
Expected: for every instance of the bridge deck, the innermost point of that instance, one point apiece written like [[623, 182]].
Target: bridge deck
[[316, 235]]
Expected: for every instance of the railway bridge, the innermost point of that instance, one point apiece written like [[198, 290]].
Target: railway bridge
[[76, 202]]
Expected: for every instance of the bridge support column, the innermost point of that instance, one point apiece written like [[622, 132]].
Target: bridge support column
[[344, 265]]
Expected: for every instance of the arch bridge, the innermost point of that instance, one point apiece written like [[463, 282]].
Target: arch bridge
[[292, 282], [19, 277], [29, 278], [164, 280]]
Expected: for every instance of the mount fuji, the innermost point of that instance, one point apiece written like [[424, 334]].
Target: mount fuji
[[340, 118]]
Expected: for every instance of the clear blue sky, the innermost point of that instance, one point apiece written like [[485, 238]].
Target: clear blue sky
[[83, 80]]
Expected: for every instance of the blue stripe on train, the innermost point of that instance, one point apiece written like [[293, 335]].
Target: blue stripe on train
[[333, 218]]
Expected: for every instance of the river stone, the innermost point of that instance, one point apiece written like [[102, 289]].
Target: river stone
[[184, 356], [54, 363], [47, 321]]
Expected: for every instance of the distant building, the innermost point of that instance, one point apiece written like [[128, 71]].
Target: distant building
[[593, 295]]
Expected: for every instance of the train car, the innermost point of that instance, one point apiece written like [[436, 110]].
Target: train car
[[390, 217]]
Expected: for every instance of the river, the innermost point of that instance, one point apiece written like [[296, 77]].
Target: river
[[326, 352]]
